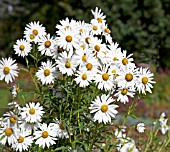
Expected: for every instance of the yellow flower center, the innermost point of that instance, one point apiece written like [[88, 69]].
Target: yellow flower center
[[35, 32], [125, 61], [84, 76], [83, 47], [21, 47], [124, 91], [6, 70], [12, 120], [129, 77], [67, 27], [130, 150], [32, 36], [87, 40], [114, 71], [164, 126], [123, 142], [105, 76], [21, 139], [84, 58], [46, 72], [17, 89], [61, 126], [99, 20], [89, 66], [81, 30], [68, 38], [68, 64], [144, 80], [104, 108], [97, 48], [47, 44], [115, 59], [106, 30], [45, 134], [8, 131], [32, 111], [95, 28]]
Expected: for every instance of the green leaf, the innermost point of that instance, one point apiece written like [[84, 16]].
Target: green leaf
[[61, 148], [24, 69]]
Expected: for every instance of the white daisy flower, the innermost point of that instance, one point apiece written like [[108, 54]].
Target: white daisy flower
[[98, 48], [95, 28], [33, 31], [128, 145], [81, 55], [164, 127], [126, 78], [104, 108], [91, 64], [145, 80], [22, 47], [84, 77], [98, 15], [59, 129], [67, 39], [104, 78], [46, 45], [66, 63], [126, 60], [140, 127], [82, 27], [65, 24], [45, 136], [106, 33], [123, 94], [8, 69], [115, 53], [32, 112], [15, 90], [162, 116], [12, 118], [28, 126], [24, 141], [46, 73], [8, 134]]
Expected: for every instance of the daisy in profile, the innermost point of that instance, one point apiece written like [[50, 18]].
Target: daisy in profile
[[65, 24], [98, 15], [33, 31], [145, 80], [123, 94], [32, 112], [164, 126], [15, 90], [67, 39], [140, 127], [24, 141], [83, 77], [60, 129], [66, 63], [22, 47], [8, 134], [104, 108], [104, 78], [46, 73], [8, 69], [114, 53], [82, 27], [46, 45], [106, 33], [45, 136]]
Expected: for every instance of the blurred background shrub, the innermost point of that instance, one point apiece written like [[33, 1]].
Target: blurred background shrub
[[140, 26]]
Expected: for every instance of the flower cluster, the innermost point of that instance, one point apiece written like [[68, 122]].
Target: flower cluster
[[80, 61]]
